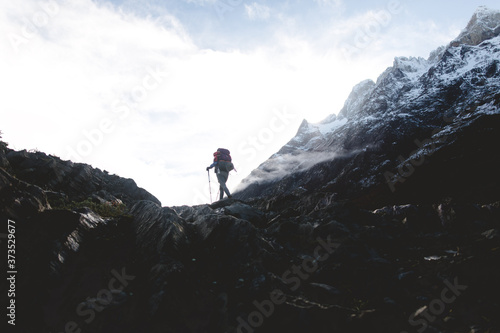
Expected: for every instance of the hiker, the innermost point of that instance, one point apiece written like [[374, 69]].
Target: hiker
[[223, 165]]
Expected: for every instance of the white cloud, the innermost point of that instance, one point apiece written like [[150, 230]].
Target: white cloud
[[331, 3], [89, 63], [202, 2], [78, 68], [281, 166], [257, 11]]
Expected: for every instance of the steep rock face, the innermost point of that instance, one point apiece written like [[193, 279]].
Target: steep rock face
[[417, 109], [359, 95]]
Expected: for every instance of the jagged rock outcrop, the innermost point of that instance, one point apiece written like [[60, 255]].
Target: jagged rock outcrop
[[65, 181], [483, 25]]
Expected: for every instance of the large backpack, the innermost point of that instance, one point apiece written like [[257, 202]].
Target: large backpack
[[223, 156], [225, 166]]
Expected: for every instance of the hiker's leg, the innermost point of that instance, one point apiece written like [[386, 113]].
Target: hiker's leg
[[226, 190], [225, 175], [222, 178], [222, 183]]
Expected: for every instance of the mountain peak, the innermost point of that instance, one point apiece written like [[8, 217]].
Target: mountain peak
[[484, 24], [358, 96], [381, 122]]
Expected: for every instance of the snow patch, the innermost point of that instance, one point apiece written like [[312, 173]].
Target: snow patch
[[330, 127]]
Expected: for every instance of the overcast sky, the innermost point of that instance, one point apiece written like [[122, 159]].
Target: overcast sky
[[150, 89]]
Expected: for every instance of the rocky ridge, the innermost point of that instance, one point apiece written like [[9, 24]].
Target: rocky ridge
[[296, 263]]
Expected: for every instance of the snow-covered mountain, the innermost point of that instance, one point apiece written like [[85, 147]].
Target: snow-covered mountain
[[390, 128]]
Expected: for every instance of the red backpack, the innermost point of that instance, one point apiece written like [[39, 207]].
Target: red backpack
[[222, 155]]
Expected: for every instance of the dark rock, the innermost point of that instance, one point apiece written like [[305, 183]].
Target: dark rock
[[329, 289], [78, 181], [224, 203], [159, 230], [490, 234], [191, 214], [397, 211], [405, 275], [246, 212], [104, 197], [19, 199], [57, 197]]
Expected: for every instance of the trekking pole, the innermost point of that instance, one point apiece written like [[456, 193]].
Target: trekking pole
[[209, 186]]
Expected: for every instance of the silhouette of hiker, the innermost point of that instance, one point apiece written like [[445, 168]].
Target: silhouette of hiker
[[223, 165]]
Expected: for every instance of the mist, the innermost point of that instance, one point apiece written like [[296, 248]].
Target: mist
[[279, 166]]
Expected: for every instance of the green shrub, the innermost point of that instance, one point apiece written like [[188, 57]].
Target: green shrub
[[106, 209]]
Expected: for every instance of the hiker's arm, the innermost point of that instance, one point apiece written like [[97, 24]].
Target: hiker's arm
[[212, 165]]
